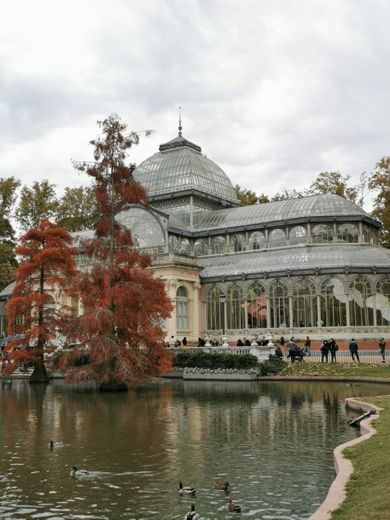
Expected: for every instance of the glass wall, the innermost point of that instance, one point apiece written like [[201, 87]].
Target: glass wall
[[322, 233], [257, 240], [256, 307], [304, 304], [348, 233], [382, 301], [235, 308], [279, 305], [214, 309], [333, 303], [277, 238], [297, 235], [360, 313]]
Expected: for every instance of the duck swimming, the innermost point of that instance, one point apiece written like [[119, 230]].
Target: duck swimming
[[225, 486], [53, 445], [192, 515], [75, 472], [233, 507], [186, 490]]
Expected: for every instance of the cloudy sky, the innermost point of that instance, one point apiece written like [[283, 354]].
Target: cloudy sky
[[275, 91]]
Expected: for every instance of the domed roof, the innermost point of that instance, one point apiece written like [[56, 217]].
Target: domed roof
[[180, 166]]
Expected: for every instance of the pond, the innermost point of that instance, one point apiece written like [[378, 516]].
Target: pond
[[272, 442]]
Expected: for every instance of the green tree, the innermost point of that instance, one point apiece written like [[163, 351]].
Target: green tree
[[287, 194], [37, 203], [380, 183], [8, 193], [249, 197], [77, 209], [333, 182]]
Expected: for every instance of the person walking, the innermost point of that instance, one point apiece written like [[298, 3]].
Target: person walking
[[382, 348], [333, 348], [324, 351], [353, 348]]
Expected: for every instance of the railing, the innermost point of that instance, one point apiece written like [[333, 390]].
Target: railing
[[344, 356]]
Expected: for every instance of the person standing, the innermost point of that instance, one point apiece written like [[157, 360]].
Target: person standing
[[184, 341], [382, 348], [324, 351], [307, 346], [292, 348], [353, 348], [333, 348]]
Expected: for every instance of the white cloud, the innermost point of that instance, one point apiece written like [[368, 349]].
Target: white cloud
[[274, 91]]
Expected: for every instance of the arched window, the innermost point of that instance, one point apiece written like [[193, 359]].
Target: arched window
[[184, 247], [214, 309], [256, 240], [304, 304], [173, 244], [382, 301], [370, 234], [333, 303], [277, 238], [218, 245], [360, 313], [182, 308], [237, 242], [297, 235], [322, 233], [348, 233], [235, 308], [256, 307], [279, 305], [201, 247]]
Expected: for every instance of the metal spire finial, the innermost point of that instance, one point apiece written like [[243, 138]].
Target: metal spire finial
[[180, 127]]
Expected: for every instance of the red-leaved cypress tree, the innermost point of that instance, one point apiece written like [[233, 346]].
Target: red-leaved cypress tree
[[36, 317], [123, 306]]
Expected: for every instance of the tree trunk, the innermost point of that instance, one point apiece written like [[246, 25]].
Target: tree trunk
[[39, 374], [113, 386]]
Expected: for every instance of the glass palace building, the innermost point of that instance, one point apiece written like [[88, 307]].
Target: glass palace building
[[305, 266]]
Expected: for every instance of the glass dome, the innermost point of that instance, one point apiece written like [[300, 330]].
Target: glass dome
[[180, 166]]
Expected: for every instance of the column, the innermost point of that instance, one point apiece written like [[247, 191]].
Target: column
[[290, 311], [268, 300], [348, 313], [319, 323]]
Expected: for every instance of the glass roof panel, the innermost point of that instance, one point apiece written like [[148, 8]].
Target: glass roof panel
[[316, 205], [300, 257]]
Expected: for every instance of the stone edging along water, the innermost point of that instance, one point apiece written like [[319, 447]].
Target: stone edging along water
[[343, 466]]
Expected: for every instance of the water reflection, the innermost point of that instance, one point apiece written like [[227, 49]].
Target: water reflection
[[272, 441]]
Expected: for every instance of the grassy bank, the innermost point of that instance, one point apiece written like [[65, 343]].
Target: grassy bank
[[368, 488], [337, 370]]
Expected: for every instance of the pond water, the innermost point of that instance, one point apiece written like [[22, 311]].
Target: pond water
[[272, 442]]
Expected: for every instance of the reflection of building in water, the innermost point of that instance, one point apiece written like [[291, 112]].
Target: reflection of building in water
[[308, 266]]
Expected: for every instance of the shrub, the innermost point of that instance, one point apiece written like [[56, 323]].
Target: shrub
[[272, 366], [214, 360]]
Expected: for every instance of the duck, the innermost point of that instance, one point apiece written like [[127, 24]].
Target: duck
[[225, 486], [75, 472], [192, 515], [233, 507], [186, 490], [53, 445]]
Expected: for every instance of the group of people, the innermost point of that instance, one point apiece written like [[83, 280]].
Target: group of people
[[329, 346]]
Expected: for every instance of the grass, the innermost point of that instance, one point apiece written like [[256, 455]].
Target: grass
[[337, 370], [368, 495]]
